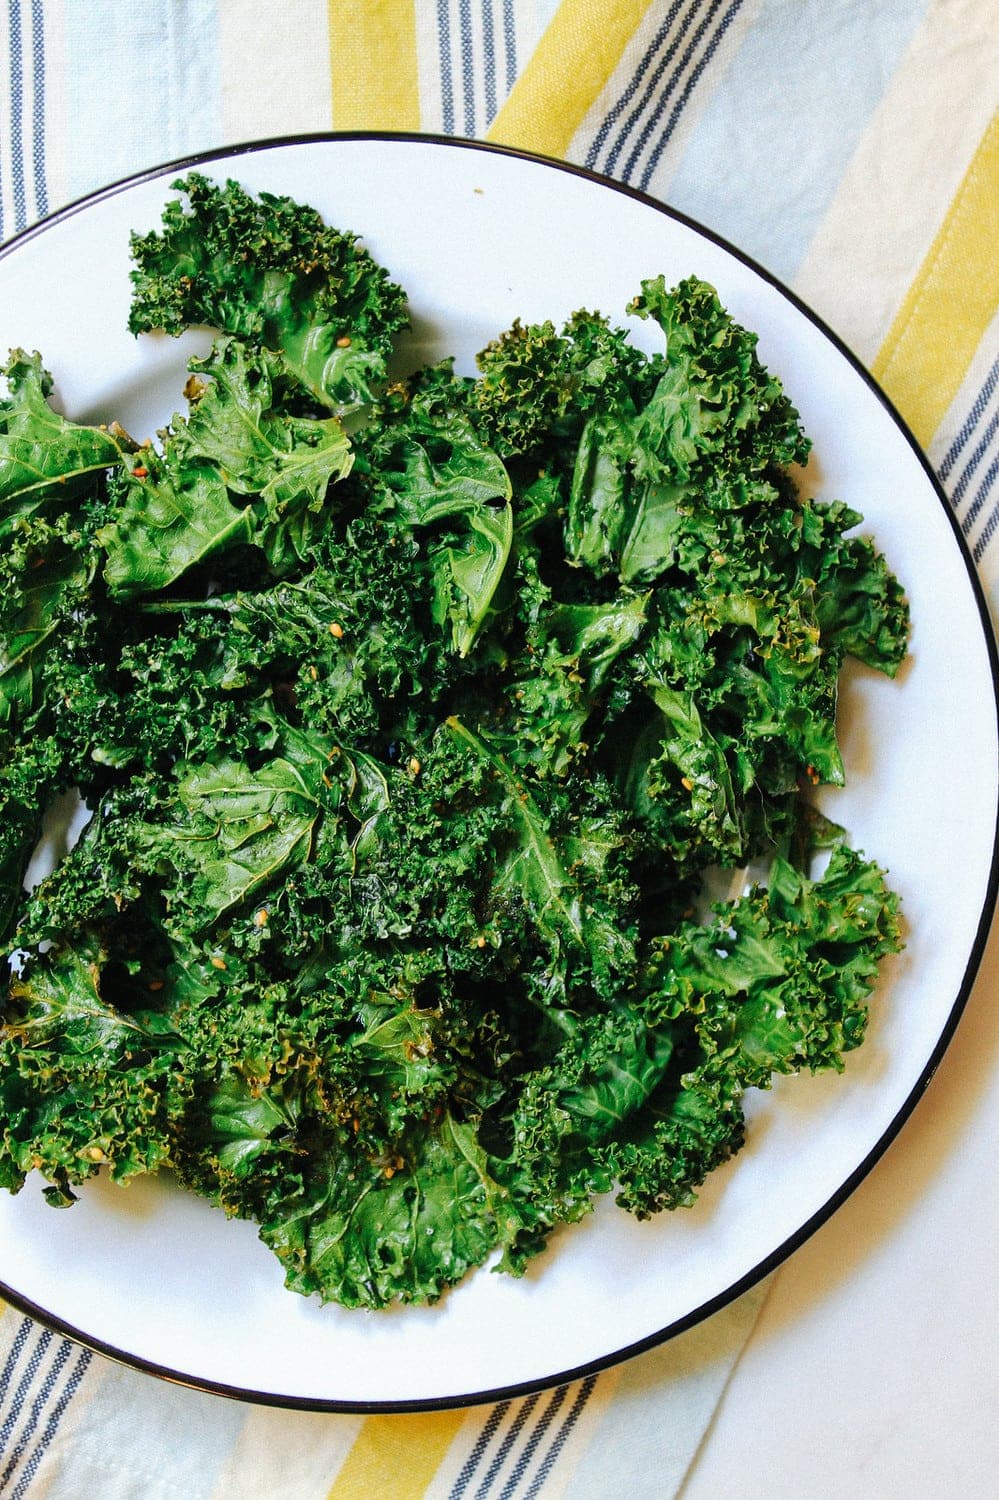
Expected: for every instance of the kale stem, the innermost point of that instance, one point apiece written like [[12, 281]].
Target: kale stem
[[218, 603]]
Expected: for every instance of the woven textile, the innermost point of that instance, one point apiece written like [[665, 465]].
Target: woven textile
[[851, 148]]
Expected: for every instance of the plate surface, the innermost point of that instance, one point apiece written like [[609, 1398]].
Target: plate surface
[[479, 236]]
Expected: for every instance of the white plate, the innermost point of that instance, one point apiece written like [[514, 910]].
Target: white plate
[[478, 237]]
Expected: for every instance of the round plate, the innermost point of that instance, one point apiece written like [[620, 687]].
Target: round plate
[[480, 236]]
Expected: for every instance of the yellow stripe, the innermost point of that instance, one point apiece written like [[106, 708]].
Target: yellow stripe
[[373, 64], [951, 302], [577, 54], [395, 1458]]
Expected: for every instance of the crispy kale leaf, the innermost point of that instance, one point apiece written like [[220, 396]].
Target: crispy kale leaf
[[538, 387], [83, 1085], [241, 470], [268, 270], [45, 459], [238, 471]]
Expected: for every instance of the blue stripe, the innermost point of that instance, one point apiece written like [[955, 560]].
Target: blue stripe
[[37, 1355], [979, 502], [664, 95], [524, 1411], [38, 108], [17, 115], [510, 42], [64, 1350], [489, 59], [988, 532], [51, 1426], [467, 63], [541, 1427], [689, 87], [977, 454], [971, 422], [614, 114], [14, 1354], [482, 1442], [444, 52], [582, 1396]]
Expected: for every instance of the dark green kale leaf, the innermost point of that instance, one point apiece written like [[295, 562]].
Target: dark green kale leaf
[[82, 1084], [32, 774], [239, 423], [860, 607], [181, 504], [270, 271], [714, 417], [236, 830], [170, 508], [46, 461], [538, 387], [715, 403], [34, 608], [649, 1097], [780, 979], [556, 685], [403, 1229], [438, 475], [557, 877], [167, 520]]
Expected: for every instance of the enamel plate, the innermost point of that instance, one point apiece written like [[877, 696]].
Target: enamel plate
[[478, 237]]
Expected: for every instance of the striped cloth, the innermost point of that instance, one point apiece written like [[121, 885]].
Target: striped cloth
[[852, 148]]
